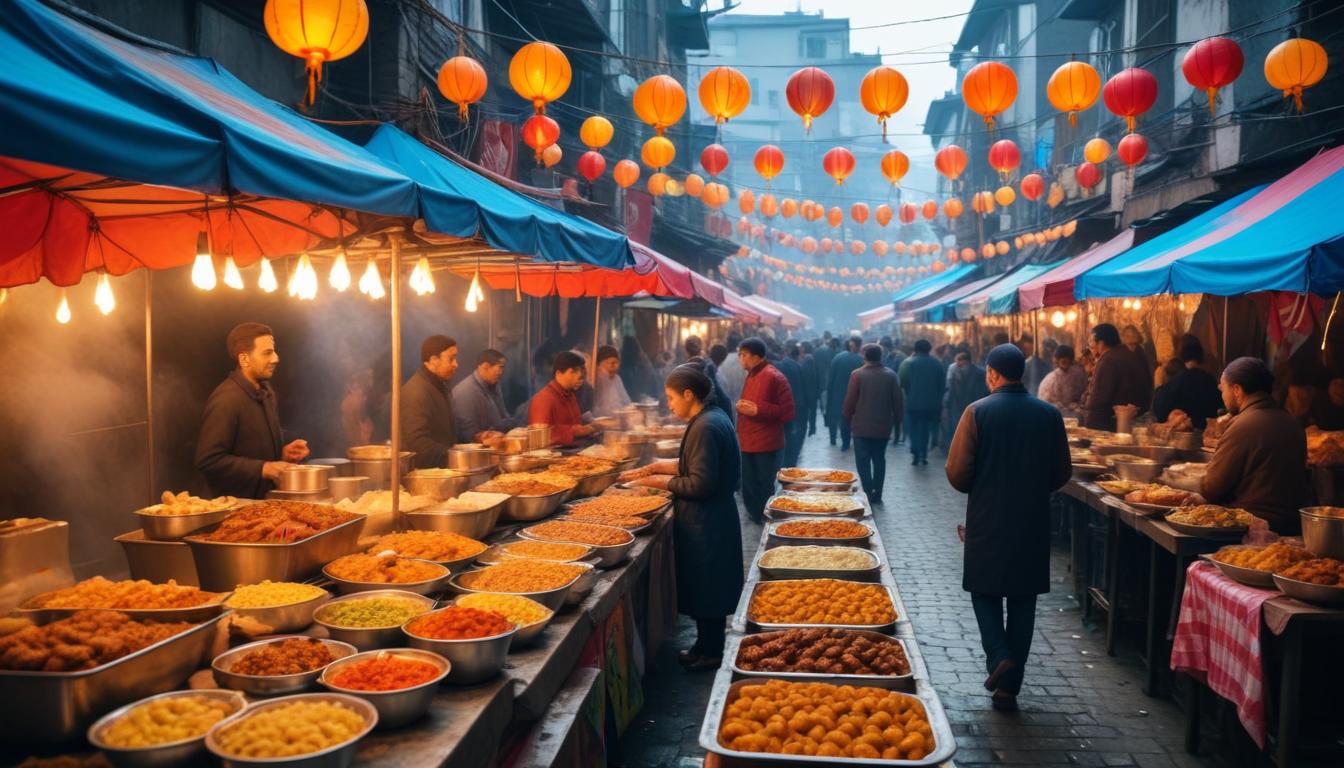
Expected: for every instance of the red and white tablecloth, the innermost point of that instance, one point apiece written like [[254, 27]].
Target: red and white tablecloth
[[1218, 641]]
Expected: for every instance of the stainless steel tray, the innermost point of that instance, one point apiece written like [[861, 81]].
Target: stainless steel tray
[[52, 707], [1208, 532], [607, 556], [1248, 576], [779, 514], [221, 565], [595, 484], [743, 621], [192, 613], [651, 514], [1316, 594], [158, 561], [726, 690], [773, 539], [904, 682], [638, 530], [528, 509], [859, 508], [781, 477], [871, 575], [174, 527]]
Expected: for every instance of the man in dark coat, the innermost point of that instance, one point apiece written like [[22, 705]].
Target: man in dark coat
[[1010, 453], [811, 385], [796, 430], [427, 404], [824, 354], [923, 379], [965, 385], [1118, 378], [239, 446], [842, 365], [873, 408]]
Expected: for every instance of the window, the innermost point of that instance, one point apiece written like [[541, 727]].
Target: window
[[774, 99], [814, 47]]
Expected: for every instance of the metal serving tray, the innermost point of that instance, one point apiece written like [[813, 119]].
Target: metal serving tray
[[773, 539], [223, 565], [1241, 574], [652, 514], [860, 511], [1316, 594], [638, 530], [53, 707], [781, 477], [595, 484], [904, 682], [158, 561], [191, 613], [743, 621], [607, 555], [174, 527], [726, 690], [871, 575]]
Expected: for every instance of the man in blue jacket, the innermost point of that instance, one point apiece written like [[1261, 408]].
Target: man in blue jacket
[[923, 381], [842, 365]]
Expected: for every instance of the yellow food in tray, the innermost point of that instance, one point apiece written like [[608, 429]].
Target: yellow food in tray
[[1212, 516], [1271, 559]]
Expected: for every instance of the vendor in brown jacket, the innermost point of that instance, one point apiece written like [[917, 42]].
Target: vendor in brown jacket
[[1261, 459], [238, 449]]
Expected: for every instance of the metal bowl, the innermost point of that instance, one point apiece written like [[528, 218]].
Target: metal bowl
[[304, 477], [529, 508], [378, 470], [592, 485], [174, 527], [347, 587], [1138, 471], [519, 462], [181, 752], [337, 755], [369, 638], [471, 660], [1187, 441], [583, 585], [1323, 531], [607, 555], [158, 561], [438, 484], [1316, 594], [527, 633], [551, 598], [1251, 577], [271, 685], [286, 618], [349, 487], [468, 456], [396, 707], [474, 524], [667, 449]]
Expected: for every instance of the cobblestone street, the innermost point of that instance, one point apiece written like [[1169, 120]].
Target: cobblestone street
[[1078, 706]]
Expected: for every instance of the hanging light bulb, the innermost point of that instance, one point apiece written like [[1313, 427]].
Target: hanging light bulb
[[232, 277], [1137, 304], [421, 280], [1071, 316], [1126, 304], [1057, 319], [203, 269], [339, 277], [102, 295], [63, 309], [267, 281], [371, 282], [474, 293], [306, 279]]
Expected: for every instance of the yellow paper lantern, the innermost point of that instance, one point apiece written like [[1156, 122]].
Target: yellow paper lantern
[[539, 73], [1005, 196], [317, 31], [551, 155], [596, 132], [1097, 150], [625, 173], [658, 152]]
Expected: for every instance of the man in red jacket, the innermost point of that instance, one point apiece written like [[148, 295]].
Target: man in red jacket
[[555, 404], [766, 406]]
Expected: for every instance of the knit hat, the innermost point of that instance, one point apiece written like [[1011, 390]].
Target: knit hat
[[1007, 361]]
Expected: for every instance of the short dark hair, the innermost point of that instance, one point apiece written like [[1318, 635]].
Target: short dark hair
[[1106, 334], [718, 353], [566, 361], [1026, 338], [607, 351], [1249, 373], [872, 353], [693, 346], [1191, 349], [807, 347], [687, 376], [734, 339], [490, 357], [963, 356], [1063, 352], [853, 343], [923, 345], [753, 345], [243, 338], [434, 346]]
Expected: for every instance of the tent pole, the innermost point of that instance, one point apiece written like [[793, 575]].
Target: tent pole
[[527, 340], [1224, 360], [149, 382], [597, 322], [395, 470]]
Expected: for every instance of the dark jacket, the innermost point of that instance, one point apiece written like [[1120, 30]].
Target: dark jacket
[[893, 360], [873, 402], [1117, 379], [707, 536], [479, 407], [1260, 466], [427, 424], [1010, 452], [823, 355], [811, 382], [923, 379], [842, 365], [1193, 390], [793, 373], [240, 431], [769, 390]]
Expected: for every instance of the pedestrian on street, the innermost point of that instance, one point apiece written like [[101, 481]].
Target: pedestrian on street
[[765, 408], [965, 385], [824, 354], [922, 381], [873, 407], [892, 357], [811, 381], [842, 365], [1010, 452], [796, 430]]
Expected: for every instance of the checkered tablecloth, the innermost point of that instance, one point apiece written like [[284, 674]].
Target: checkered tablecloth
[[1218, 642]]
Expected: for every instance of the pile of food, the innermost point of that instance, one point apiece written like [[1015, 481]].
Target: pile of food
[[519, 610], [1128, 458], [384, 672], [1270, 559], [583, 466], [522, 577], [99, 592], [827, 721], [616, 521], [528, 483], [83, 641], [278, 522], [185, 504], [1163, 496], [796, 474], [384, 569], [175, 718], [286, 730], [1123, 488], [545, 550], [612, 505], [442, 546], [823, 529], [1086, 456], [371, 612], [459, 623], [377, 503], [290, 656], [819, 558], [1212, 516], [580, 533], [1325, 571], [270, 594], [821, 601], [822, 651], [471, 501], [814, 503]]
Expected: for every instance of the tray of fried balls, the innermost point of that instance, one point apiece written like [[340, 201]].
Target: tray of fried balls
[[856, 656], [806, 603]]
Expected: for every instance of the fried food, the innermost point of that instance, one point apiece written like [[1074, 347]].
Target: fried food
[[457, 622], [583, 466], [441, 546], [162, 721], [99, 592], [1212, 516], [821, 601], [278, 522], [522, 576], [516, 608], [528, 483], [384, 569], [815, 503], [286, 730], [580, 533], [610, 504], [1164, 496], [545, 550], [1122, 488], [85, 640], [797, 474], [269, 594], [822, 651], [185, 504], [823, 529], [616, 521], [291, 656], [1325, 571], [1271, 559], [819, 558]]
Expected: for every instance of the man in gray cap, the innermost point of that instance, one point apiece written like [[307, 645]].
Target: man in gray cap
[[1009, 453]]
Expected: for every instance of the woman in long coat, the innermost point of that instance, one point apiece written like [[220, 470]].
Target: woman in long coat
[[706, 532]]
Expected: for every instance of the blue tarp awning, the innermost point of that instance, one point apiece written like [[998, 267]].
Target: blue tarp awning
[[943, 308], [1287, 236], [458, 201], [926, 288], [1001, 297]]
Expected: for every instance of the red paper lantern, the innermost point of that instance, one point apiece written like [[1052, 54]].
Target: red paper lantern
[[1033, 186], [1004, 157], [835, 217], [1212, 63], [950, 161], [908, 213], [769, 161], [540, 132], [592, 165], [1088, 175], [857, 247], [859, 212], [714, 159], [838, 163], [810, 92], [1130, 93], [1132, 149]]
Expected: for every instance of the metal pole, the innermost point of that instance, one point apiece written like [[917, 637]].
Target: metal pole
[[597, 321], [1224, 360], [149, 382], [395, 240]]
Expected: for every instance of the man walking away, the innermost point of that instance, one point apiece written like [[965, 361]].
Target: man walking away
[[873, 407], [965, 385], [795, 430], [922, 381], [842, 365], [811, 381], [1010, 453], [766, 406], [824, 355]]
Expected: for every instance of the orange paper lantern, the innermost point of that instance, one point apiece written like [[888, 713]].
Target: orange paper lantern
[[810, 92], [880, 248], [1001, 247], [835, 217], [808, 245], [724, 93], [950, 161], [1097, 150], [968, 255], [1295, 65], [895, 164], [883, 215], [625, 173], [1073, 88], [838, 163], [769, 206], [987, 251], [1033, 186], [551, 155], [883, 93], [769, 161], [658, 184], [929, 210], [660, 101], [317, 31], [952, 208], [1005, 196], [462, 81], [859, 212], [539, 73], [989, 89], [658, 152], [857, 247], [788, 207], [746, 201], [713, 195], [596, 132], [540, 132], [694, 184]]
